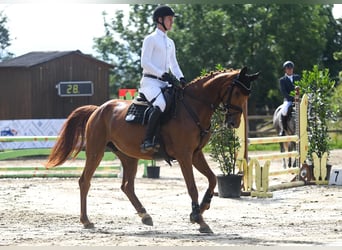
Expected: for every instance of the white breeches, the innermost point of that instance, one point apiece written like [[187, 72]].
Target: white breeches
[[285, 107], [151, 88]]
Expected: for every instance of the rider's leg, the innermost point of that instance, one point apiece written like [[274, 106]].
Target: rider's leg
[[151, 88], [282, 125], [153, 122], [159, 106]]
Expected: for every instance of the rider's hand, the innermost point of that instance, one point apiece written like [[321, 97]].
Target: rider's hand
[[182, 81], [167, 78]]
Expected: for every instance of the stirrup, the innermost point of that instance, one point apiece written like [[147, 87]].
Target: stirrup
[[147, 146]]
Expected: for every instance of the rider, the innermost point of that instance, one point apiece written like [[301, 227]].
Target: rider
[[158, 58], [287, 85]]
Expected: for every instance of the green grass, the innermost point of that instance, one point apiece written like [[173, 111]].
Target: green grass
[[264, 147], [336, 141], [336, 138], [23, 153]]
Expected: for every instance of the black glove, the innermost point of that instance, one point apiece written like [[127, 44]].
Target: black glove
[[182, 81], [167, 78]]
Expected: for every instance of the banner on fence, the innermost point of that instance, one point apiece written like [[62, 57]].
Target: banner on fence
[[34, 127]]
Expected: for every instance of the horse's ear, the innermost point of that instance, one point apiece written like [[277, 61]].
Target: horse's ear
[[254, 76], [243, 71]]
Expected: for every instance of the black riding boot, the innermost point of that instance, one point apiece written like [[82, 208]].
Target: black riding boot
[[283, 125], [153, 122]]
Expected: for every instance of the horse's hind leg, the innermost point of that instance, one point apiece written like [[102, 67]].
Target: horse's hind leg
[[130, 166], [95, 147], [92, 161]]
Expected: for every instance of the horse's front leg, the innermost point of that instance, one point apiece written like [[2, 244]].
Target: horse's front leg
[[195, 216], [130, 166], [294, 164], [282, 150], [202, 166]]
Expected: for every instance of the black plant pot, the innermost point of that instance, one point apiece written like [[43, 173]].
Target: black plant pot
[[327, 178], [229, 186], [329, 166], [153, 172]]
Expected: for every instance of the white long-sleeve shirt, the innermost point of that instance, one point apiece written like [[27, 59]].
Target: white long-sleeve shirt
[[158, 55]]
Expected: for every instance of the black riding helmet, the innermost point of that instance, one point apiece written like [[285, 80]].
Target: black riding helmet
[[162, 11]]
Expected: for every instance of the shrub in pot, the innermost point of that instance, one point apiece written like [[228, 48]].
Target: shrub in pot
[[223, 145], [319, 88]]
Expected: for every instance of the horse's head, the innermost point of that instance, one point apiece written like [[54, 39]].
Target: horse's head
[[236, 95]]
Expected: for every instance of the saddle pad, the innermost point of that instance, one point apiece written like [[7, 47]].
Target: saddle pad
[[137, 114]]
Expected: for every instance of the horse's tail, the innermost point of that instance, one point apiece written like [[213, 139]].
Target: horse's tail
[[71, 137]]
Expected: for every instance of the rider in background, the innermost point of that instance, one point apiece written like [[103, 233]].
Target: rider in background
[[158, 58], [286, 84]]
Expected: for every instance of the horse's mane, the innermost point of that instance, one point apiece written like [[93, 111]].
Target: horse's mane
[[211, 74]]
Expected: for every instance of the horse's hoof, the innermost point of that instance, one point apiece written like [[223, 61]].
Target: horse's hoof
[[89, 225], [147, 220], [205, 229], [195, 218], [192, 219]]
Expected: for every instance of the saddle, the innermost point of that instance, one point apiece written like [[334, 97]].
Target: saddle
[[139, 110]]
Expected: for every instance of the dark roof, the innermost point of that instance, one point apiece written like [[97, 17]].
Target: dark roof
[[35, 58]]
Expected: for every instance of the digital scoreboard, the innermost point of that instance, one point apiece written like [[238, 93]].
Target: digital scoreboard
[[79, 88]]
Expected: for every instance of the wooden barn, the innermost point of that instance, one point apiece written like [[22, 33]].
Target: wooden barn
[[49, 85]]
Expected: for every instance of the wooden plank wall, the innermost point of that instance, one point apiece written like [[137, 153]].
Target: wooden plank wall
[[31, 93]]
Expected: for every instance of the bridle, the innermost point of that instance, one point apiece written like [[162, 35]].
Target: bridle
[[227, 107]]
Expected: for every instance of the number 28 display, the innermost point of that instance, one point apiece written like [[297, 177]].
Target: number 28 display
[[80, 88]]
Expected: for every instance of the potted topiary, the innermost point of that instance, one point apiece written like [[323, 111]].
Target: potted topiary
[[223, 145], [319, 88]]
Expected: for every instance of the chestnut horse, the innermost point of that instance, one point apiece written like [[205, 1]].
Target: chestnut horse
[[183, 137]]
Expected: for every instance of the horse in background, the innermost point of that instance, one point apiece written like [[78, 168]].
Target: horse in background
[[289, 130]]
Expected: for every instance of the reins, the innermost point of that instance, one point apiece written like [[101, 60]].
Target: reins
[[226, 107], [203, 132]]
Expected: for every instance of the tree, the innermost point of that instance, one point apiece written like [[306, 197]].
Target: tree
[[260, 36], [4, 38], [264, 36], [334, 44], [121, 45]]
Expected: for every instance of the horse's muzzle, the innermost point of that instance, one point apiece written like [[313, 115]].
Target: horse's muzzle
[[231, 122]]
